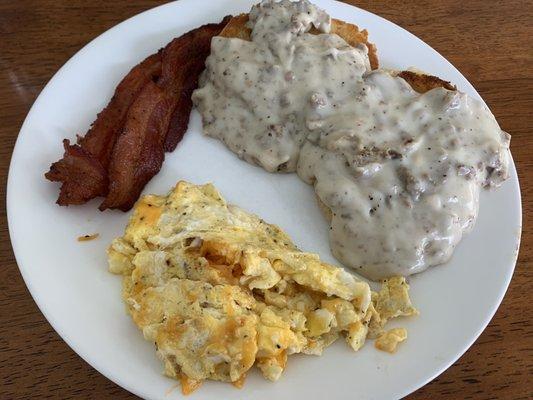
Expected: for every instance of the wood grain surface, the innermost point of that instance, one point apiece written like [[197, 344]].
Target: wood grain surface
[[490, 42]]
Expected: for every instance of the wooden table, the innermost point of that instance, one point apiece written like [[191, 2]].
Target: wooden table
[[489, 41]]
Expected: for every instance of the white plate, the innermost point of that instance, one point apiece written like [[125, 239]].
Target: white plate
[[70, 283]]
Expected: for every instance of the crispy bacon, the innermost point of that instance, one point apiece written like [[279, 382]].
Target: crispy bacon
[[91, 155], [158, 119], [82, 175], [183, 61], [138, 153], [148, 114], [100, 139]]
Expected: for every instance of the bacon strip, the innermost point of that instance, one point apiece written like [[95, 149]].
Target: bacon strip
[[92, 153], [100, 139], [138, 153], [148, 114], [158, 119], [183, 61], [82, 175]]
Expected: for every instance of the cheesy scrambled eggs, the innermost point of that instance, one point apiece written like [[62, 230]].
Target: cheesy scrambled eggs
[[219, 290]]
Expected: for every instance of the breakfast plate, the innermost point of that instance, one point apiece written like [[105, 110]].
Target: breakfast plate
[[70, 282]]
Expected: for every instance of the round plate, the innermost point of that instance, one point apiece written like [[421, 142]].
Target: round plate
[[69, 279]]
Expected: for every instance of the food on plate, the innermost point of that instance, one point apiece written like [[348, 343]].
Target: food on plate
[[219, 290], [147, 115], [83, 168], [237, 27], [88, 238], [397, 158], [388, 341]]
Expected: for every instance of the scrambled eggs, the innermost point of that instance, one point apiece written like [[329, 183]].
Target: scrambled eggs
[[219, 290]]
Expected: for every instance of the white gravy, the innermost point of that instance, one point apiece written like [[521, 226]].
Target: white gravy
[[400, 171]]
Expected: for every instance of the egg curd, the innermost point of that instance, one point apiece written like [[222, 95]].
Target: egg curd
[[219, 290]]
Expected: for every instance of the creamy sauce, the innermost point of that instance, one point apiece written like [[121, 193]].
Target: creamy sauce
[[400, 171]]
